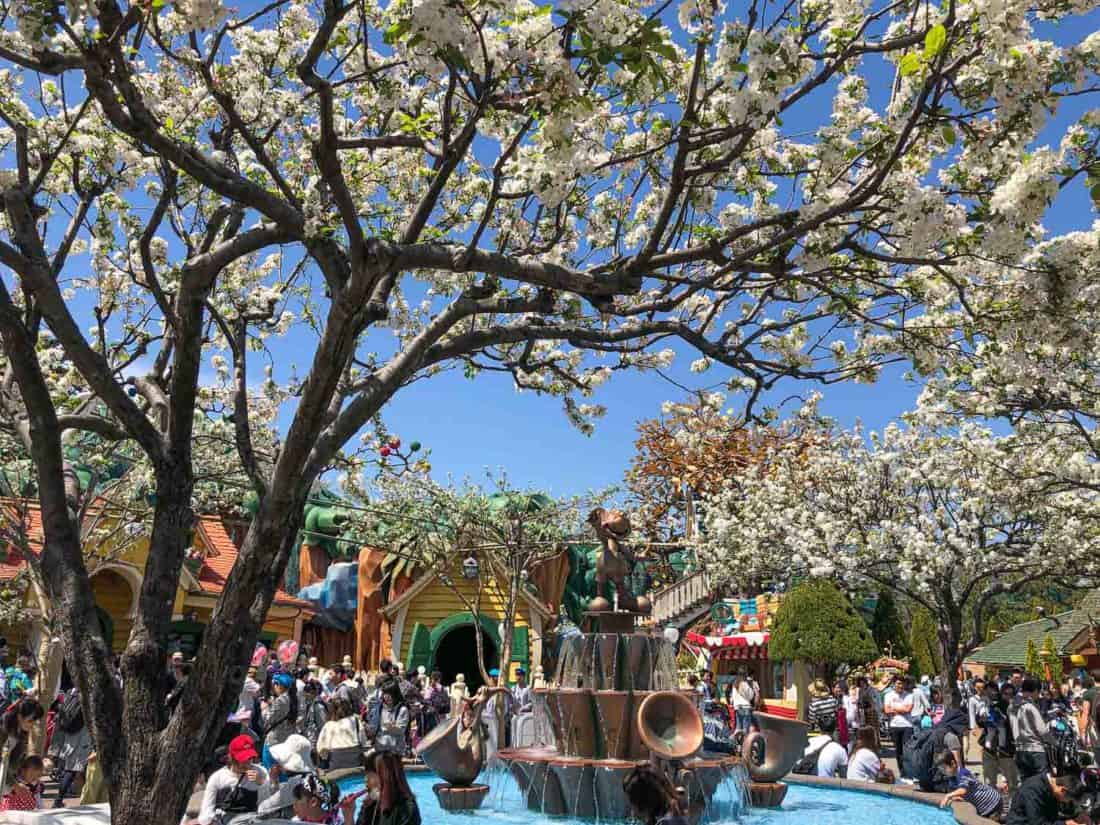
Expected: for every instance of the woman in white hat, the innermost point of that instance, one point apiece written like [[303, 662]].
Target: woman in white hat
[[293, 762]]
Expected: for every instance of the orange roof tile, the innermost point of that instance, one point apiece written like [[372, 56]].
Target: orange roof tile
[[220, 558], [219, 561], [11, 562]]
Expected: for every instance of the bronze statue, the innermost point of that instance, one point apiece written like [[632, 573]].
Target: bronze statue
[[614, 562]]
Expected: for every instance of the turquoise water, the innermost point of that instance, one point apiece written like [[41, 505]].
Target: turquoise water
[[803, 806]]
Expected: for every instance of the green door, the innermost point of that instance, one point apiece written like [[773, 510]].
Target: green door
[[420, 649]]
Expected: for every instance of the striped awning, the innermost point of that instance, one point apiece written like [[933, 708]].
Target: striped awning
[[751, 645]]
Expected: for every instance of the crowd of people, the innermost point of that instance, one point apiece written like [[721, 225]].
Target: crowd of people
[[321, 719], [1021, 751], [1033, 745]]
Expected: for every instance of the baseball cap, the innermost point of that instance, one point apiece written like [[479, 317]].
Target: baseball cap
[[242, 748]]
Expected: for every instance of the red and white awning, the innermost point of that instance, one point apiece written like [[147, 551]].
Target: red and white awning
[[751, 645]]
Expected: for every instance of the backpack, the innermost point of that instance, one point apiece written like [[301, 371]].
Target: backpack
[[826, 720], [919, 755], [1063, 754], [70, 716], [808, 764], [441, 702]]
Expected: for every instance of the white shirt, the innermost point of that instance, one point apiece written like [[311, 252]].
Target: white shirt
[[831, 756], [977, 707], [863, 766], [921, 705], [739, 700], [851, 712], [225, 778], [898, 719], [337, 734]]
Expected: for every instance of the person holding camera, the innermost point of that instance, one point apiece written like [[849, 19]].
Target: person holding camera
[[238, 788]]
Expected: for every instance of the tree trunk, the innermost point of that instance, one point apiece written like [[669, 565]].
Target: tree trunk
[[952, 657], [161, 780]]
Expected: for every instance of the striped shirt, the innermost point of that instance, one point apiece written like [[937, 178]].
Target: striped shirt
[[821, 708], [985, 798]]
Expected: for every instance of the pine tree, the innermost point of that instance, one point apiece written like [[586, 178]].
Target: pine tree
[[887, 627], [1052, 660], [1033, 665], [924, 643], [817, 623]]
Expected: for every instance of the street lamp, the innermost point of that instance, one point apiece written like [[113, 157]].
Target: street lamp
[[470, 568]]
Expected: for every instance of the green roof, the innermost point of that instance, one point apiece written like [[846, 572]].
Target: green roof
[[1010, 648]]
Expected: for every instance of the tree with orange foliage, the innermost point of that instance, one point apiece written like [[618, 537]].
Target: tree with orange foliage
[[690, 451]]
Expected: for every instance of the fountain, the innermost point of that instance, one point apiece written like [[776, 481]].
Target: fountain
[[614, 704], [769, 755]]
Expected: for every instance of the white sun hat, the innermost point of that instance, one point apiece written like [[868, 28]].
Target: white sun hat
[[294, 754]]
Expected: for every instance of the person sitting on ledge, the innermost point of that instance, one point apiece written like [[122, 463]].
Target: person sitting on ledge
[[1040, 799], [824, 755], [238, 788], [653, 798], [865, 764], [717, 737]]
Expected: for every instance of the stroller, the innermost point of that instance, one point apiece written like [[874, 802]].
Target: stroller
[[1063, 754]]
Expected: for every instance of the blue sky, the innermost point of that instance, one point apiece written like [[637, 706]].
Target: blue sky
[[470, 425]]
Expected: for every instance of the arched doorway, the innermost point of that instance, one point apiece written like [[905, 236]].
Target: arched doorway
[[115, 598], [456, 652]]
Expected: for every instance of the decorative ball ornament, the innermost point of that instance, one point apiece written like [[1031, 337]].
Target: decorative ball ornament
[[671, 634]]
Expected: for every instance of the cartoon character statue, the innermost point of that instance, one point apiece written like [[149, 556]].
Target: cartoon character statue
[[614, 563]]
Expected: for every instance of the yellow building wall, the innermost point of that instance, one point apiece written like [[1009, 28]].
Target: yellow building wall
[[113, 594], [437, 601]]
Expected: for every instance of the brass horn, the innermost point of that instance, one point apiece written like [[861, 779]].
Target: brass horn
[[670, 725]]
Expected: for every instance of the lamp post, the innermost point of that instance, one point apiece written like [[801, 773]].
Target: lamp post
[[470, 567]]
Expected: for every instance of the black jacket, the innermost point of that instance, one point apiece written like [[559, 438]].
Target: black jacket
[[1034, 804]]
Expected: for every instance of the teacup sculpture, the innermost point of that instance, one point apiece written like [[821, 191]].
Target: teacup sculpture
[[456, 751], [770, 753]]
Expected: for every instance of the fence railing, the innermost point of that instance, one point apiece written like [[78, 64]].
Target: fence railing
[[672, 601]]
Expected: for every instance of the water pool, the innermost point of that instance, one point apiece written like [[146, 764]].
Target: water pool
[[803, 806]]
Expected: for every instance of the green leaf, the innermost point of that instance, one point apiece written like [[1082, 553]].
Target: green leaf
[[739, 67], [159, 4], [544, 11], [395, 32], [169, 122], [934, 41], [949, 135], [910, 64], [1095, 193]]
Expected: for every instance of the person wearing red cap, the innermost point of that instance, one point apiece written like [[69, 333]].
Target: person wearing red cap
[[238, 788]]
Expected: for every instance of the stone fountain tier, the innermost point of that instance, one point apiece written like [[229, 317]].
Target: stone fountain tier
[[558, 785], [593, 729]]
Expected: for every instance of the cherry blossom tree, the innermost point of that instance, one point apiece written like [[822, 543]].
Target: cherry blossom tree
[[193, 196], [942, 519], [1018, 340]]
